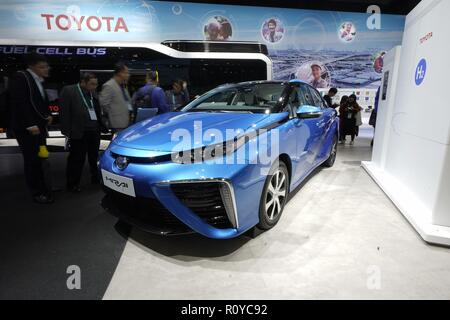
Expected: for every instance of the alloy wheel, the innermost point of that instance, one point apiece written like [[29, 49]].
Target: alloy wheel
[[276, 195]]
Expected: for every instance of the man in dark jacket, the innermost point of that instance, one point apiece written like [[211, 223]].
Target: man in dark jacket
[[30, 118], [81, 123], [178, 96], [329, 98]]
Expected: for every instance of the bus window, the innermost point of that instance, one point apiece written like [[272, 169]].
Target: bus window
[[205, 75], [68, 61]]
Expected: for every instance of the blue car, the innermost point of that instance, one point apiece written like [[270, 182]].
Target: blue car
[[222, 165]]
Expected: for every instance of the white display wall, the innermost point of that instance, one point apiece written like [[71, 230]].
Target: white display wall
[[411, 159]]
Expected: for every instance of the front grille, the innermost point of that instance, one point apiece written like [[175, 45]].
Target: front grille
[[146, 160], [205, 200], [146, 212]]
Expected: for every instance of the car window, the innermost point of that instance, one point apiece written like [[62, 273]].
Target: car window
[[306, 98], [258, 97], [293, 102], [318, 101], [222, 98]]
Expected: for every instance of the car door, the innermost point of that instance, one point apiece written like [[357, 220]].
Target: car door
[[320, 125], [306, 132], [325, 124]]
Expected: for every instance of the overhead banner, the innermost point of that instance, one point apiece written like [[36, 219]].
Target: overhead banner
[[325, 48]]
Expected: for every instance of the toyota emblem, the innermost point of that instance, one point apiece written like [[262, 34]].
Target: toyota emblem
[[121, 162]]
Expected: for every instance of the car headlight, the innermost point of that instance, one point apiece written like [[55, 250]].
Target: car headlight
[[114, 136], [211, 152]]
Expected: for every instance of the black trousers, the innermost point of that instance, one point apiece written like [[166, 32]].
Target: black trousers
[[88, 145], [32, 164]]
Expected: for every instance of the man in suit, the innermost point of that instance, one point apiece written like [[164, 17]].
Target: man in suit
[[80, 118], [115, 100], [30, 118]]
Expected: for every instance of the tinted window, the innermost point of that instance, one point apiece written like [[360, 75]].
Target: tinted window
[[202, 75], [317, 98], [203, 46], [298, 97], [205, 75], [66, 62], [306, 94]]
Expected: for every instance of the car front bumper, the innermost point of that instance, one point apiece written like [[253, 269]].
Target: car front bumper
[[216, 200]]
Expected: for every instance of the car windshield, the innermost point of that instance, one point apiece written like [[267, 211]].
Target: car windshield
[[249, 98]]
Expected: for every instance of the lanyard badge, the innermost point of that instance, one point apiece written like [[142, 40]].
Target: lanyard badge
[[90, 107]]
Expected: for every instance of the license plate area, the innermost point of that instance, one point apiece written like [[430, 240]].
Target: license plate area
[[118, 183]]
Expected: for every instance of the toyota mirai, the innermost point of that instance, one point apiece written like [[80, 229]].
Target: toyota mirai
[[222, 165]]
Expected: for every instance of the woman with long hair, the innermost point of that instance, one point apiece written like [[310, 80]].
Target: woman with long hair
[[348, 111]]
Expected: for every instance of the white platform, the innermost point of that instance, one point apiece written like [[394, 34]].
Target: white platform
[[414, 211]]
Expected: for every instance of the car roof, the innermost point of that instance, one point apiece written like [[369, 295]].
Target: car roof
[[293, 81], [248, 83], [260, 82], [297, 81]]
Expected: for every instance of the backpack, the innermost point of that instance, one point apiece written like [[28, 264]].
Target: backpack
[[144, 96]]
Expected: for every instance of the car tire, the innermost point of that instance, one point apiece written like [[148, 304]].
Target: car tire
[[332, 158], [274, 196]]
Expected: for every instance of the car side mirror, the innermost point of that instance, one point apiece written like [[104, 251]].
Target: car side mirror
[[309, 112]]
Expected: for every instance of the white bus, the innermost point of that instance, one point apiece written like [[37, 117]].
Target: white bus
[[203, 64]]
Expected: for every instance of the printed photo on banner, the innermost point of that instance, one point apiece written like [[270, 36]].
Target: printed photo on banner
[[347, 32], [314, 73], [378, 61], [272, 30], [218, 28]]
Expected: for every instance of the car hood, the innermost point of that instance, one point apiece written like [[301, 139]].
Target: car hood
[[177, 131]]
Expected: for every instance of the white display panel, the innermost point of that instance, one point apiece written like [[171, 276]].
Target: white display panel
[[386, 106], [412, 154]]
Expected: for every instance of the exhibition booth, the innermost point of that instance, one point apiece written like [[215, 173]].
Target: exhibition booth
[[236, 151], [411, 157]]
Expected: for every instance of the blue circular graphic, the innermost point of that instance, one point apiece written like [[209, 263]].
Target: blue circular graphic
[[421, 71]]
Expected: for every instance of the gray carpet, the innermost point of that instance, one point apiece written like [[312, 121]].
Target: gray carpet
[[38, 242]]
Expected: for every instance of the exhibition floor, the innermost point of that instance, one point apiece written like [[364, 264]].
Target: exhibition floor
[[339, 237]]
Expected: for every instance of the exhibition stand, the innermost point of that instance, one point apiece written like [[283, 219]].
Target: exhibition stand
[[411, 156]]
